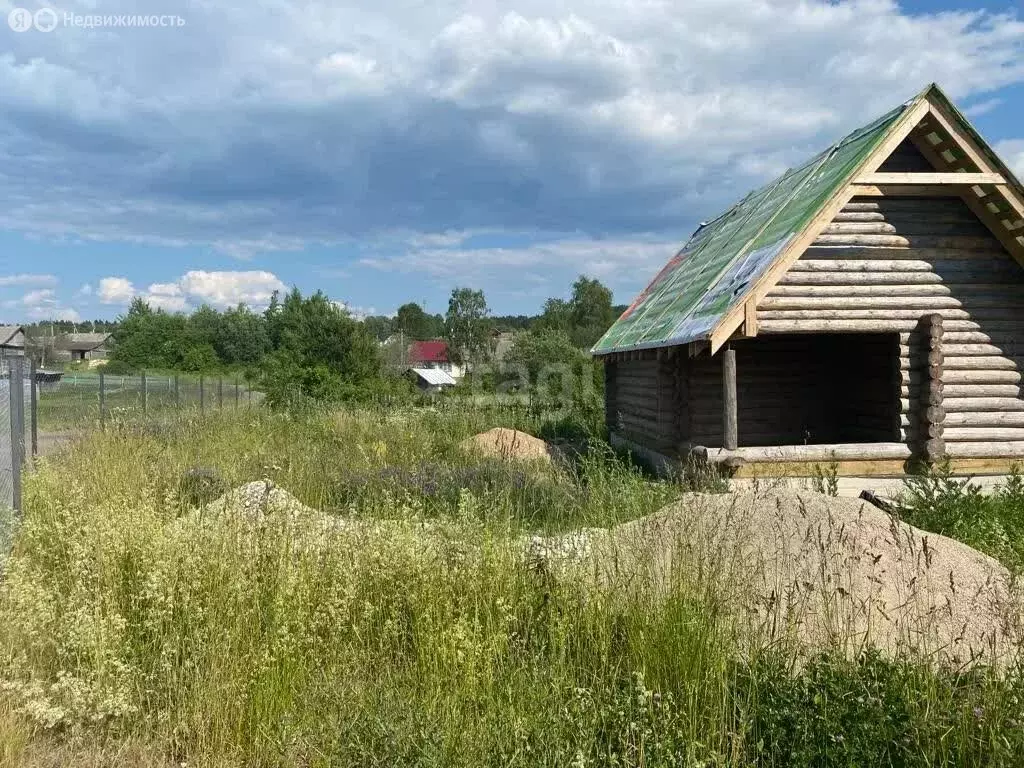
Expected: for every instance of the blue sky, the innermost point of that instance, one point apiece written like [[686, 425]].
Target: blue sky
[[388, 152]]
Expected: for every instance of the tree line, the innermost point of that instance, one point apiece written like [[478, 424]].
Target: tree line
[[311, 347]]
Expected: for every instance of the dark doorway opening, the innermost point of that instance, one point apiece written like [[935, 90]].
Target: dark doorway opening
[[818, 389]]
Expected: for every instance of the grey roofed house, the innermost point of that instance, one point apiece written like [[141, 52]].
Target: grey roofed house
[[432, 379], [12, 340], [84, 346]]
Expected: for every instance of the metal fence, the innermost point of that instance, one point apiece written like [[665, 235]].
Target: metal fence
[[83, 400], [16, 430], [39, 410]]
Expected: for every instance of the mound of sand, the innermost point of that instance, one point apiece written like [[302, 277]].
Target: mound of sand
[[815, 568], [261, 500], [782, 565], [508, 444]]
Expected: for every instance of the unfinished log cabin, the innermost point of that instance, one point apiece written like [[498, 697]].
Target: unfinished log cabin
[[864, 309]]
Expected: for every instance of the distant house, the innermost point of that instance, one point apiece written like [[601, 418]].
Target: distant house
[[12, 341], [431, 379], [77, 347], [433, 355]]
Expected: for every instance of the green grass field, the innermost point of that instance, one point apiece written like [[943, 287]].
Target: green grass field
[[132, 634]]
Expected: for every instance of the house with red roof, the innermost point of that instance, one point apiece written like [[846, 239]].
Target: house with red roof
[[433, 354]]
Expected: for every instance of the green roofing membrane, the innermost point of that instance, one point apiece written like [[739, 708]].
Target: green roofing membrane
[[712, 272]]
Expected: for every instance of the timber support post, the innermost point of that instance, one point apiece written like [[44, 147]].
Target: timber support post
[[730, 419], [933, 415]]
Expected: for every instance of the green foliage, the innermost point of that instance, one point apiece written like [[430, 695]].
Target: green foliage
[[379, 326], [466, 326], [584, 317], [417, 325], [320, 353], [826, 480], [590, 311], [206, 340], [956, 507], [217, 639], [873, 711]]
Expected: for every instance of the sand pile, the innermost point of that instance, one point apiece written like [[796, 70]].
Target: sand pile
[[509, 444], [814, 568], [783, 565]]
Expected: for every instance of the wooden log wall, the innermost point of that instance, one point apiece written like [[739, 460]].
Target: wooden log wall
[[648, 403], [882, 265], [813, 389]]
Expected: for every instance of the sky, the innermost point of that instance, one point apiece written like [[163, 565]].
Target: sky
[[388, 152]]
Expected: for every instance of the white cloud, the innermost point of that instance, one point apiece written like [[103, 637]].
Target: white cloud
[[167, 296], [42, 304], [219, 289], [115, 290], [226, 289], [85, 290], [27, 279], [321, 122]]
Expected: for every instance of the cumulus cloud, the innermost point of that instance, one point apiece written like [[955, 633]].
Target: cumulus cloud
[[218, 289], [319, 122], [225, 289], [115, 290]]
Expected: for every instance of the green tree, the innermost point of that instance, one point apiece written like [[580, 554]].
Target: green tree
[[147, 338], [380, 326], [321, 352], [554, 317], [241, 337], [590, 311], [467, 328], [414, 323]]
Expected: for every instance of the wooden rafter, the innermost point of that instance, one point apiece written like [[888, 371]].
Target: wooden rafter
[[971, 198], [908, 190], [922, 179], [735, 317], [970, 176]]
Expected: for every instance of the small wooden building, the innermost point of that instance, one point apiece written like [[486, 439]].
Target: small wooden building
[[12, 341], [79, 347], [863, 308]]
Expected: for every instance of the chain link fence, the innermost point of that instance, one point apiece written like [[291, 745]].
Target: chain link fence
[[40, 410]]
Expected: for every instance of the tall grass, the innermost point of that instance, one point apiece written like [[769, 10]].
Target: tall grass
[[127, 619]]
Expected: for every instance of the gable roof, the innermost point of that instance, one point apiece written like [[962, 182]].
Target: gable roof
[[7, 334], [428, 352], [434, 377], [82, 342], [700, 295]]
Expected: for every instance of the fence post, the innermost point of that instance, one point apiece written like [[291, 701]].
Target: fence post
[[16, 393], [236, 391], [145, 394], [202, 396], [102, 402], [220, 392], [34, 408], [177, 402]]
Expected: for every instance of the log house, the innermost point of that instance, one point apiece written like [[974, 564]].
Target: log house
[[863, 309]]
